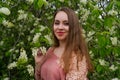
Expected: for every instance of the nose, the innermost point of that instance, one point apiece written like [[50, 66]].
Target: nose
[[60, 26]]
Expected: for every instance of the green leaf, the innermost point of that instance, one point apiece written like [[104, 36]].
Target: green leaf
[[38, 4], [110, 5], [108, 21], [101, 41], [95, 13], [118, 4], [1, 19], [99, 68]]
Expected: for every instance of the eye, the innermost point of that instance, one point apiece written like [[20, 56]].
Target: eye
[[56, 23], [66, 23]]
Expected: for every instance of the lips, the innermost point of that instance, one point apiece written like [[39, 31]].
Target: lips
[[60, 33]]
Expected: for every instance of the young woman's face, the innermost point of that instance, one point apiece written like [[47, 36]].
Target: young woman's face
[[61, 26]]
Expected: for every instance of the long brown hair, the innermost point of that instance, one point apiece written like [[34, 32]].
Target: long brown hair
[[74, 42]]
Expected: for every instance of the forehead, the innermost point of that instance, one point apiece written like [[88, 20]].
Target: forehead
[[61, 15]]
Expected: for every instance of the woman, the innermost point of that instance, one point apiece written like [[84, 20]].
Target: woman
[[68, 58]]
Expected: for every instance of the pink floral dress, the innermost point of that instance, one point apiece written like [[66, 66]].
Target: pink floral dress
[[52, 69]]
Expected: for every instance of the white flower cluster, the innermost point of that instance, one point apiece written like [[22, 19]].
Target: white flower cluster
[[34, 51], [30, 1], [23, 56], [42, 28], [43, 49], [22, 15], [112, 12], [83, 33], [83, 1], [6, 78], [91, 54], [7, 23], [12, 65], [114, 40], [91, 33], [1, 43], [113, 67], [89, 36], [61, 0], [102, 62], [5, 10], [30, 70], [115, 79], [36, 37], [112, 30], [85, 14], [36, 21], [48, 38]]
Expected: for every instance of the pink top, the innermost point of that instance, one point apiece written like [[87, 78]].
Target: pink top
[[52, 70]]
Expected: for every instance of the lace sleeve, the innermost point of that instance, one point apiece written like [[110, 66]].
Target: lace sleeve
[[80, 73]]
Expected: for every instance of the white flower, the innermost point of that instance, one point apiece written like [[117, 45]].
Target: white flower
[[89, 36], [10, 24], [4, 22], [12, 65], [1, 43], [90, 33], [20, 11], [30, 1], [91, 53], [30, 70], [34, 51], [7, 78], [43, 49], [83, 1], [11, 50], [5, 10], [112, 12], [112, 30], [102, 62], [85, 14], [83, 33], [23, 56], [36, 37], [36, 21], [22, 15], [7, 23], [48, 38], [112, 67], [115, 79], [114, 40], [89, 39], [61, 0], [42, 28]]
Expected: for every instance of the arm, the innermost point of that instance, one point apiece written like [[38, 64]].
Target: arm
[[38, 59], [80, 73]]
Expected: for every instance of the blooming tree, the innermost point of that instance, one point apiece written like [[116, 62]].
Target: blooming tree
[[25, 26]]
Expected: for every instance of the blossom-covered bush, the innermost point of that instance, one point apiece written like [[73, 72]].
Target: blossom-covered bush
[[25, 26]]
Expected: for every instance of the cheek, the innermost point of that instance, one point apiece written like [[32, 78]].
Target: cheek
[[67, 28], [54, 29]]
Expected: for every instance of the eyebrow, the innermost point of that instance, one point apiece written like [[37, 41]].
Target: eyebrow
[[63, 21]]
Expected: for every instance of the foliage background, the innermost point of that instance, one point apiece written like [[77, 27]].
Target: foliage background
[[25, 26]]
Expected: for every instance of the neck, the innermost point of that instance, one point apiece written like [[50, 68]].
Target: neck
[[62, 44]]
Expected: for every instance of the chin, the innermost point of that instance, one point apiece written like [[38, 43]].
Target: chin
[[61, 39]]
